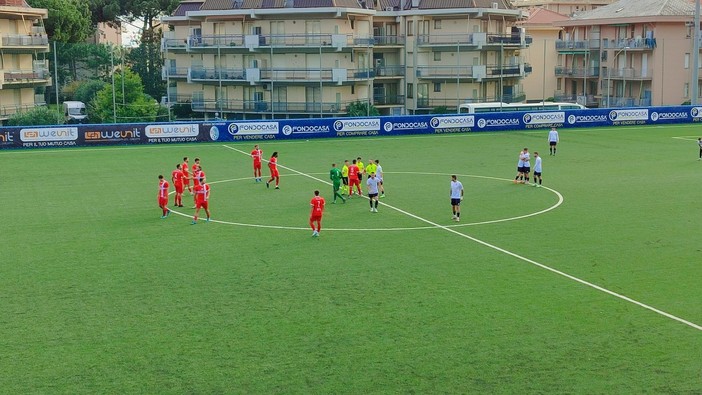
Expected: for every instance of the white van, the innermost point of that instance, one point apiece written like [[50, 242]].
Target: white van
[[74, 111]]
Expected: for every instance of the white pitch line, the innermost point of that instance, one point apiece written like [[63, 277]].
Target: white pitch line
[[514, 255]]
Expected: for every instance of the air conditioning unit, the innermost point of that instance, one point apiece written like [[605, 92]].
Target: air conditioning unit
[[495, 5], [388, 8], [266, 87]]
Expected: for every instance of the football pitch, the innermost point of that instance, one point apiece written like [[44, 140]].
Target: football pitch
[[588, 285]]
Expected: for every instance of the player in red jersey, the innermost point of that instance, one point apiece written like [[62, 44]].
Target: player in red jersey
[[353, 178], [198, 174], [317, 204], [202, 199], [163, 196], [186, 175], [257, 155], [177, 178], [273, 166]]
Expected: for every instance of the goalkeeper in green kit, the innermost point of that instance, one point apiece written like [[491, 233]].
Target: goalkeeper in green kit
[[335, 176]]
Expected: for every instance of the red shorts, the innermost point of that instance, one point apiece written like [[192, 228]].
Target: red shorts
[[186, 182], [204, 205], [162, 201], [315, 218], [257, 165], [179, 188], [274, 173], [354, 181]]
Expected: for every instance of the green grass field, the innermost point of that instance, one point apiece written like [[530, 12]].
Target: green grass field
[[100, 295]]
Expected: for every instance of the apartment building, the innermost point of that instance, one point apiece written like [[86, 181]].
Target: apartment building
[[564, 7], [542, 84], [628, 53], [24, 69], [312, 58]]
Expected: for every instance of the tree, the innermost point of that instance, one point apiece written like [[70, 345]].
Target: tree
[[87, 91], [146, 60], [69, 20], [361, 109], [440, 110], [133, 106], [36, 116]]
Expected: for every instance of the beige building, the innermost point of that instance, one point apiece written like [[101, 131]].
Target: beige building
[[629, 53], [23, 67], [564, 7], [541, 54], [312, 58], [107, 34]]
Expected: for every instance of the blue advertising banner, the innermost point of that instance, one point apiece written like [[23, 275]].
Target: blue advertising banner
[[227, 131]]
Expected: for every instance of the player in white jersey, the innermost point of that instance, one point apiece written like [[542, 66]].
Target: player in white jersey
[[553, 140], [537, 170], [456, 197], [519, 178], [526, 167]]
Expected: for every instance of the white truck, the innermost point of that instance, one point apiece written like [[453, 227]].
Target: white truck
[[74, 111]]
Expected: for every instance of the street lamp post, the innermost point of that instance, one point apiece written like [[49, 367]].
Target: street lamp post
[[609, 76]]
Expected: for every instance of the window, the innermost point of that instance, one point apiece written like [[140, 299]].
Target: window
[[437, 24], [558, 84], [410, 91], [437, 87], [686, 90], [437, 56], [687, 61], [410, 28]]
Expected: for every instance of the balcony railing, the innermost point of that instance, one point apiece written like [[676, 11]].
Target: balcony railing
[[614, 101], [174, 72], [217, 74], [388, 40], [26, 76], [25, 40], [627, 73], [472, 39], [577, 72], [445, 72], [586, 100], [262, 106], [384, 100], [7, 111], [390, 71], [577, 44], [277, 40], [630, 43]]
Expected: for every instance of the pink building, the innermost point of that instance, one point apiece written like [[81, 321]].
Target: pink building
[[628, 53]]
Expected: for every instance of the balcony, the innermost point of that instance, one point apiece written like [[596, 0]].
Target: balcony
[[390, 71], [446, 72], [20, 43], [388, 100], [174, 73], [639, 44], [577, 45], [627, 73], [9, 110], [25, 78], [204, 75], [174, 44], [615, 101], [266, 107], [335, 75], [450, 41], [389, 41], [577, 72], [585, 100], [309, 43]]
